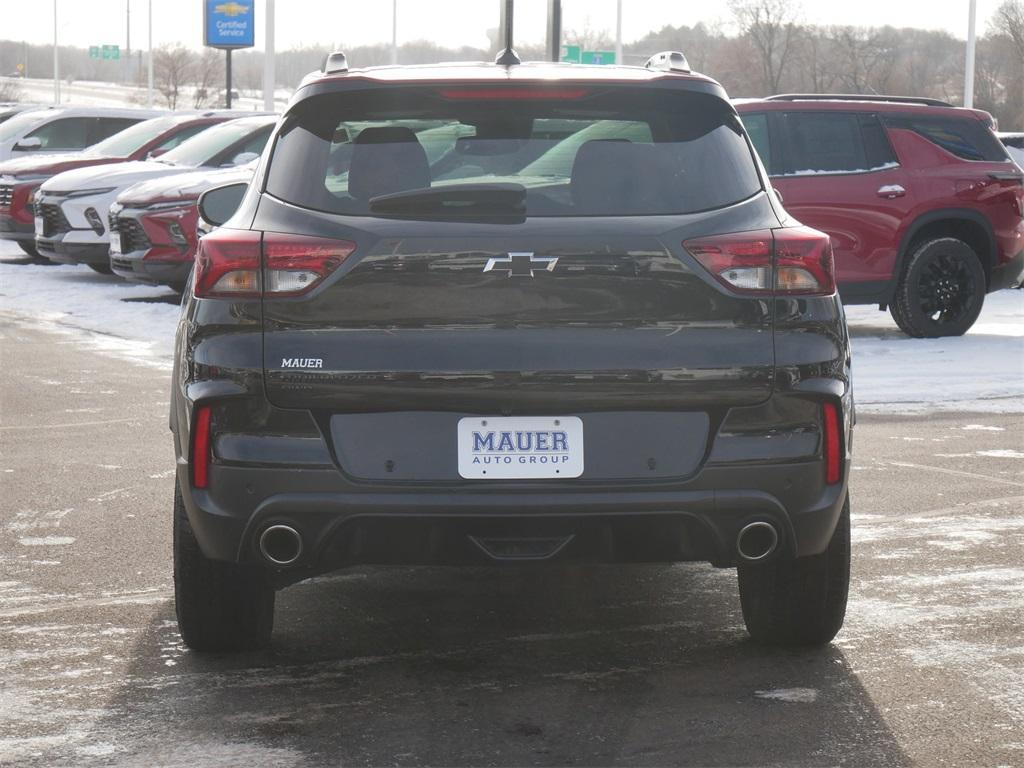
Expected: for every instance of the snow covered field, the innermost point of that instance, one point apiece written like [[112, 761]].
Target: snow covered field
[[981, 371]]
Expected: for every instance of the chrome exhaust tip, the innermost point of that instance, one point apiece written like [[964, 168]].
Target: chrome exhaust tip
[[280, 544], [757, 541]]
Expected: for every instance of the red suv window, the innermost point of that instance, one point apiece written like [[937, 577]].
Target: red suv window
[[965, 137]]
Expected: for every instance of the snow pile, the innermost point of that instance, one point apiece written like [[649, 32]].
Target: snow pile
[[981, 371], [137, 321]]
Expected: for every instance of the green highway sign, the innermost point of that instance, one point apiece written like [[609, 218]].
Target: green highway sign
[[571, 54], [597, 57], [111, 52], [94, 51]]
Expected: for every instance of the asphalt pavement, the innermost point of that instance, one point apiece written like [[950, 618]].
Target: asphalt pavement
[[642, 665]]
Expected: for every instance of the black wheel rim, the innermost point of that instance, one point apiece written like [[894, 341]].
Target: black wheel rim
[[946, 289]]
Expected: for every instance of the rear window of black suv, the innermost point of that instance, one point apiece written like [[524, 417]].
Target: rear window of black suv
[[553, 150]]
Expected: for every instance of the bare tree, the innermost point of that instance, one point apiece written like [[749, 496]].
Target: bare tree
[[209, 68], [865, 57], [1008, 21], [771, 25], [172, 70]]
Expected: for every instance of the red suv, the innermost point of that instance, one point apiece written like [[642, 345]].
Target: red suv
[[922, 201]]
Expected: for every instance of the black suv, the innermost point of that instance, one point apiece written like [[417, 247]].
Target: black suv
[[474, 314]]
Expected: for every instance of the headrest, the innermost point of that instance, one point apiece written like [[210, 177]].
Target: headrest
[[617, 178], [385, 160]]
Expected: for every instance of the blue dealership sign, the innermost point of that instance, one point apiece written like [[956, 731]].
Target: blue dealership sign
[[229, 23]]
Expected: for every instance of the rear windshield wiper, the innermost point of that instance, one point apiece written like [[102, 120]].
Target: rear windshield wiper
[[459, 200]]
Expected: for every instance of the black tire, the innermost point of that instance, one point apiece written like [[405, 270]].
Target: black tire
[[29, 248], [941, 290], [33, 253], [801, 601], [103, 269], [220, 606]]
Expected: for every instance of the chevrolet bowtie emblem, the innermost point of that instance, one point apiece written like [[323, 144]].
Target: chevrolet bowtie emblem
[[521, 264]]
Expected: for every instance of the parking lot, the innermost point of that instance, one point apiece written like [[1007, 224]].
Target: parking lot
[[588, 666]]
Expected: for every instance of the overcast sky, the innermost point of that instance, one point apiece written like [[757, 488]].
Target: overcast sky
[[446, 22]]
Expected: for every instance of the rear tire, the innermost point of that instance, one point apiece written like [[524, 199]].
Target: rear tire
[[103, 269], [220, 606], [941, 291], [801, 601]]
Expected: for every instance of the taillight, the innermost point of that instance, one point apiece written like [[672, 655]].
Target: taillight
[[740, 261], [831, 443], [293, 264], [796, 260], [228, 263], [804, 262], [201, 447]]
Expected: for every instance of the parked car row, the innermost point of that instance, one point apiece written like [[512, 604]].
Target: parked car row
[[57, 205]]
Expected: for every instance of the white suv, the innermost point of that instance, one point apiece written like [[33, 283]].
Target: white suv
[[64, 129]]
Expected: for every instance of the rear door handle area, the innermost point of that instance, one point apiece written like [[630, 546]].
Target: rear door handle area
[[891, 191]]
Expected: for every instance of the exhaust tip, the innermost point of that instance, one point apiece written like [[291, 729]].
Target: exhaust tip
[[757, 541], [280, 544]]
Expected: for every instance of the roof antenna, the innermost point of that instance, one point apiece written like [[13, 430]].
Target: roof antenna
[[507, 57]]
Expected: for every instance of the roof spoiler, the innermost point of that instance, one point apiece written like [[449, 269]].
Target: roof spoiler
[[669, 61]]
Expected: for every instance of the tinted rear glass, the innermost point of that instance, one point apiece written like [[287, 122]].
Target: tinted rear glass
[[606, 151], [965, 137]]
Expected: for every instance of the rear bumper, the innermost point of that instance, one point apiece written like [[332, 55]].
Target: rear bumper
[[60, 250], [341, 524], [1009, 274], [135, 267]]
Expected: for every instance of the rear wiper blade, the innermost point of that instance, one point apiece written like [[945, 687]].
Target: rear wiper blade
[[455, 199]]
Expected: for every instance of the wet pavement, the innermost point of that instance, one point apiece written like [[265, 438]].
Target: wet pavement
[[640, 665]]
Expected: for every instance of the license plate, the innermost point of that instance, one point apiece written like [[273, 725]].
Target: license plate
[[520, 447], [39, 226], [115, 243]]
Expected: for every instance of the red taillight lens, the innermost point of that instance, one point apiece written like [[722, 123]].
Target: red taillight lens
[[293, 264], [201, 447], [803, 262], [787, 261], [831, 443], [228, 263], [741, 261]]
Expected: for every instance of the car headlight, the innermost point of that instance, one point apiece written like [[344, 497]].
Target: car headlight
[[169, 205]]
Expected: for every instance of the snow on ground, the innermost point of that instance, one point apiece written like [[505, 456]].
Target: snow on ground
[[981, 371]]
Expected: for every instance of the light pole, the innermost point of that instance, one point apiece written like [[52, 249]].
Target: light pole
[[618, 32], [149, 90], [394, 31], [268, 60], [56, 59], [969, 64]]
